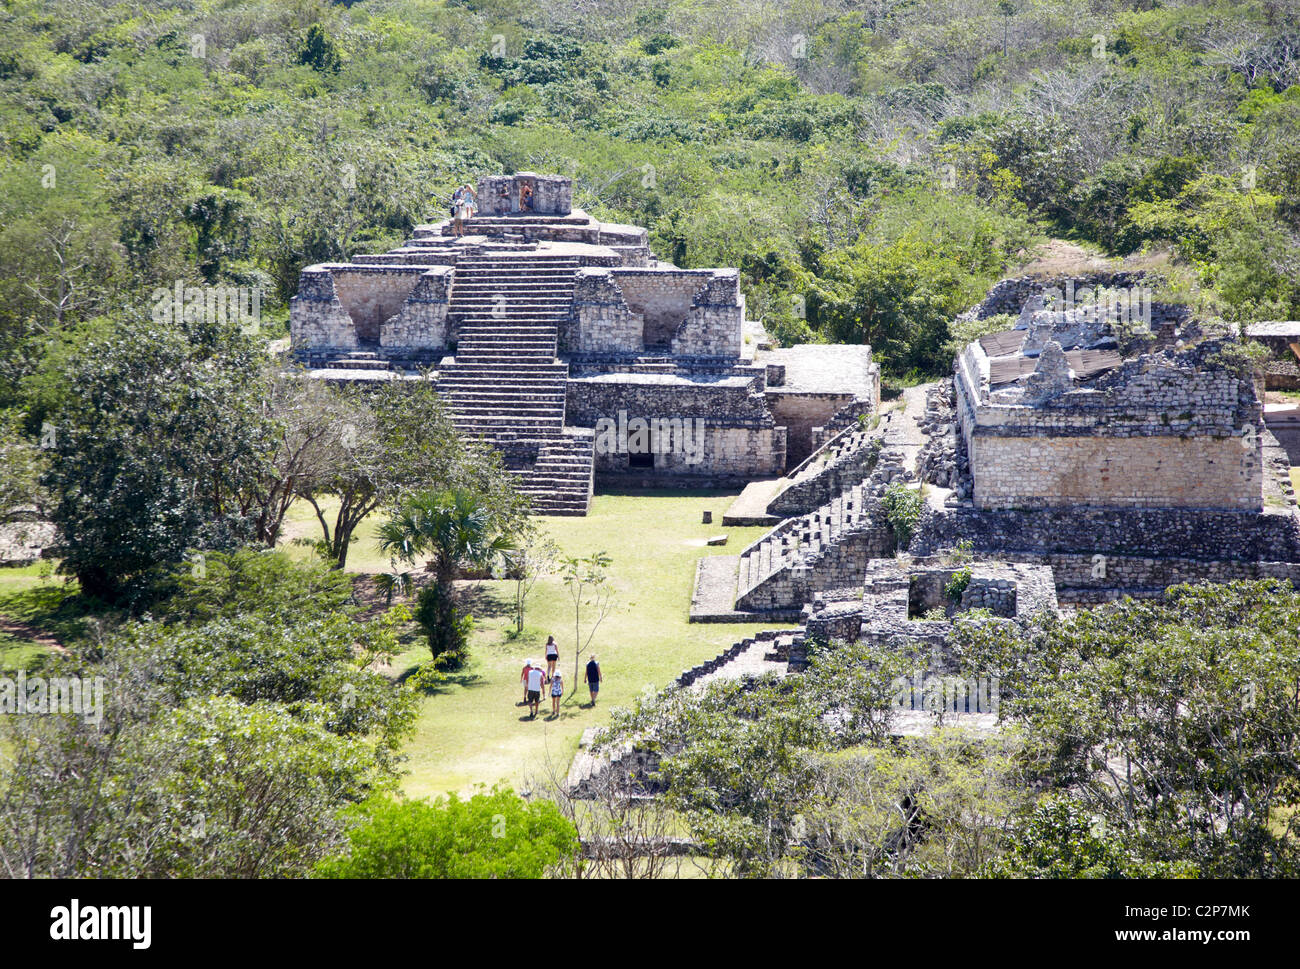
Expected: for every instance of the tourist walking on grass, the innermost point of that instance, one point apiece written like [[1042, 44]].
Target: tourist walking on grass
[[594, 676], [552, 655], [536, 677], [557, 691]]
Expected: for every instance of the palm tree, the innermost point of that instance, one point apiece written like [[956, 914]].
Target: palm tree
[[452, 528]]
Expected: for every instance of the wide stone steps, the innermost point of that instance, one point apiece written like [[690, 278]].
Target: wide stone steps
[[504, 382], [559, 282], [512, 346], [560, 482], [505, 358]]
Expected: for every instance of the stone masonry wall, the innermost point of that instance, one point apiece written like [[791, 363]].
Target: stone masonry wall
[[600, 320], [1009, 295], [800, 412], [422, 322], [1137, 471], [317, 318], [695, 312], [662, 298], [372, 294], [1163, 429], [552, 194], [740, 439], [715, 325], [1210, 535]]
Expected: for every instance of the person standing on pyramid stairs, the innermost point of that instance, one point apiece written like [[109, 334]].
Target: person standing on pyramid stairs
[[457, 213]]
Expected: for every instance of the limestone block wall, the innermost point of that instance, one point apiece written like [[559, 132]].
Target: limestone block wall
[[421, 324], [317, 318], [1150, 533], [1135, 471], [600, 320], [715, 324], [1162, 430], [552, 194], [663, 298], [695, 312], [727, 432], [1079, 580]]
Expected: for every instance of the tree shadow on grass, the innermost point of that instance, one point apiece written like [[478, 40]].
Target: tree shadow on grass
[[57, 610], [461, 678], [485, 603]]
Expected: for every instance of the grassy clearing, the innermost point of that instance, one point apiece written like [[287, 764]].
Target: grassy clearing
[[475, 729]]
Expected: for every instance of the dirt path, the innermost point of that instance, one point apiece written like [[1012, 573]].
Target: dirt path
[[30, 633]]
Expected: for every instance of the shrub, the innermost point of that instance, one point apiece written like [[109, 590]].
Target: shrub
[[493, 835], [448, 641], [903, 510]]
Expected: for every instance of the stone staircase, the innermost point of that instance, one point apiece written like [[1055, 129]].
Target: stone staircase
[[504, 383], [359, 360], [844, 460], [831, 545], [813, 551]]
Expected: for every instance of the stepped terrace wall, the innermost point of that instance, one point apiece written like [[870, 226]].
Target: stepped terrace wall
[[1190, 533]]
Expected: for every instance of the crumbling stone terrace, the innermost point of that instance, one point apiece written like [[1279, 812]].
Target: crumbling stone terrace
[[917, 600]]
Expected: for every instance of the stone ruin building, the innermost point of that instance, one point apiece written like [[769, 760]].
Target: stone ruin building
[[568, 345], [1093, 449]]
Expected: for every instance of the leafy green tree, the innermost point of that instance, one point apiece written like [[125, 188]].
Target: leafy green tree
[[453, 529], [160, 433], [489, 835], [319, 52], [1174, 723], [393, 444], [256, 790], [1058, 839], [21, 464]]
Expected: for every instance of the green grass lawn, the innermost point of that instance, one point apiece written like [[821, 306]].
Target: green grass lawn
[[475, 729]]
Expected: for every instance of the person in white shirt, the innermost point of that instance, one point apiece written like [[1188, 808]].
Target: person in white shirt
[[536, 677]]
